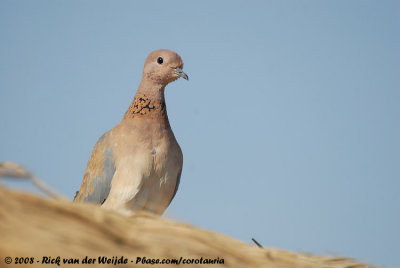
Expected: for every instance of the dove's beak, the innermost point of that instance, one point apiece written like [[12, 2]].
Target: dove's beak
[[180, 73]]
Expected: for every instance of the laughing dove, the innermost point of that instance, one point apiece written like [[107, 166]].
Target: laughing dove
[[137, 165]]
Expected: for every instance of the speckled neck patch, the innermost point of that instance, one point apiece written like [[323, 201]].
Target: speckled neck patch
[[142, 105]]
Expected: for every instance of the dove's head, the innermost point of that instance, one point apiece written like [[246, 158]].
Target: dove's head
[[163, 66]]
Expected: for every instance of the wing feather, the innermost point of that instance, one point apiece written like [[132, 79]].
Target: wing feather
[[99, 172]]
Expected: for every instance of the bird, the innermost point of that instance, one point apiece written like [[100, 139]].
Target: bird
[[137, 165]]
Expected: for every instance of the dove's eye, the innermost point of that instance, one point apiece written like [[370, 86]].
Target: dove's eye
[[160, 60]]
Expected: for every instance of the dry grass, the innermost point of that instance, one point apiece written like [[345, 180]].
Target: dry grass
[[34, 226]]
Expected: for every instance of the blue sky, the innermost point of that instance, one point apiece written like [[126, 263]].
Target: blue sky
[[289, 124]]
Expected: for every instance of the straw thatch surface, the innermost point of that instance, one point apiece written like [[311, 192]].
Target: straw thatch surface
[[31, 226]]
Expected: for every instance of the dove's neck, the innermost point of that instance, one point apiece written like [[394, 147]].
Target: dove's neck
[[148, 103]]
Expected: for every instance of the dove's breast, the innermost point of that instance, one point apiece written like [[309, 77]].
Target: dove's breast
[[152, 167], [162, 184]]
